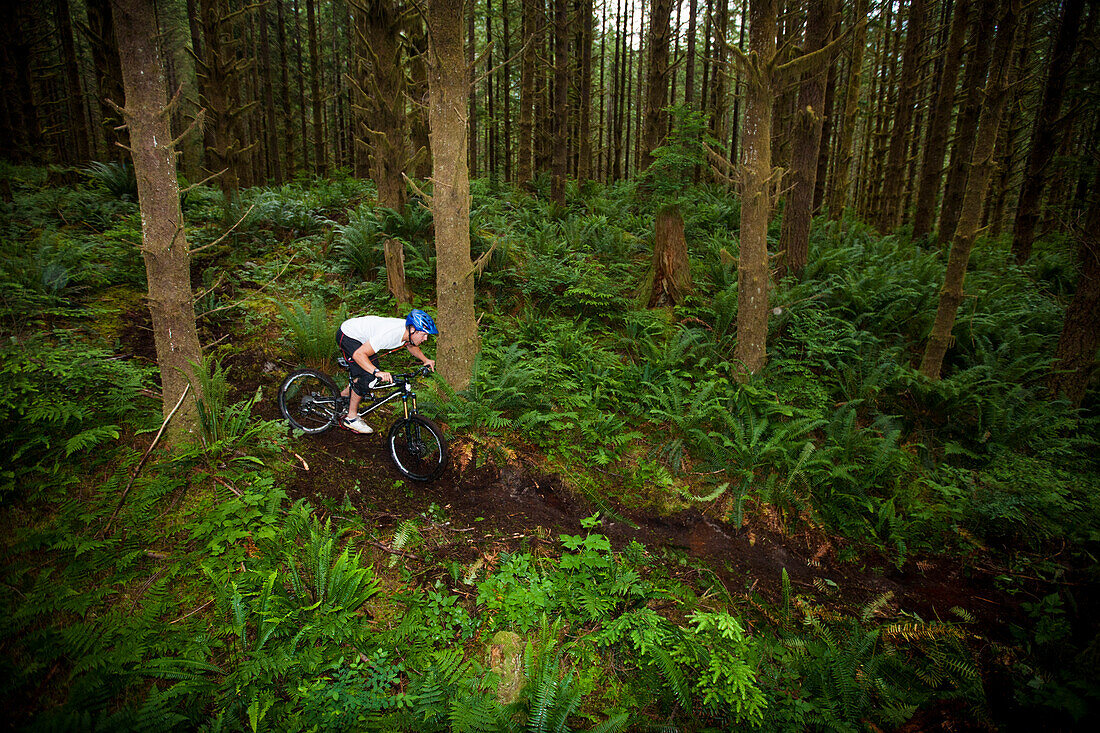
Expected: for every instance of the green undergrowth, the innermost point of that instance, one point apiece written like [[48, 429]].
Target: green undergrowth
[[212, 601]]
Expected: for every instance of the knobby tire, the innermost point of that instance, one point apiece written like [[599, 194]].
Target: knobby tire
[[308, 400], [417, 447]]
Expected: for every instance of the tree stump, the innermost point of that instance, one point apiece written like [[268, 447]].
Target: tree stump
[[506, 660], [671, 267]]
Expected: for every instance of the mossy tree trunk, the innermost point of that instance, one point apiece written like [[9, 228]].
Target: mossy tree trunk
[[381, 79], [970, 215], [78, 125], [655, 122], [584, 122], [794, 240], [284, 98], [895, 179], [449, 91], [274, 159], [1044, 138], [838, 192], [218, 69], [527, 94], [320, 158], [418, 95], [931, 171], [560, 115], [966, 121], [1075, 358], [164, 243], [104, 46], [756, 191]]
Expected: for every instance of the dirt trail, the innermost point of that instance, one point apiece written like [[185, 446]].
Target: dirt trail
[[496, 504], [498, 507]]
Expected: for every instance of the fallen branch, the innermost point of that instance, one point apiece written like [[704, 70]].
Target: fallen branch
[[228, 485], [141, 463], [392, 551], [245, 300], [227, 232], [181, 618]]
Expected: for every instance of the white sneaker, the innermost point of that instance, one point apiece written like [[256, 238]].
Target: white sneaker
[[357, 425]]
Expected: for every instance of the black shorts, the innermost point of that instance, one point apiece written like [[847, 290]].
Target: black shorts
[[360, 377]]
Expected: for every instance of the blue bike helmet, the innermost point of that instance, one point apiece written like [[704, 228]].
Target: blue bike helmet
[[421, 321]]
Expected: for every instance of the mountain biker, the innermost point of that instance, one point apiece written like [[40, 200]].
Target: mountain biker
[[362, 340]]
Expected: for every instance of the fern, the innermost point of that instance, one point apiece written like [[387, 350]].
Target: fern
[[312, 331], [117, 178]]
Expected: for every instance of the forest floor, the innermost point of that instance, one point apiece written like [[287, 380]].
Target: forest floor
[[490, 501], [495, 501]]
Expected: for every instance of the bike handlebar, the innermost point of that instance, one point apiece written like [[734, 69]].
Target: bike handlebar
[[409, 376]]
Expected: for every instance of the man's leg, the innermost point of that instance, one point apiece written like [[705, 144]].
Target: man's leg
[[353, 405]]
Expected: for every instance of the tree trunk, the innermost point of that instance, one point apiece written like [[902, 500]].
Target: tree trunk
[[319, 156], [931, 172], [306, 164], [828, 127], [981, 169], [507, 93], [966, 122], [756, 185], [383, 86], [418, 89], [1012, 127], [718, 101], [361, 71], [274, 157], [490, 103], [789, 32], [618, 82], [527, 94], [78, 124], [873, 172], [584, 147], [735, 119], [638, 98], [561, 101], [890, 211], [794, 239], [217, 75], [1044, 137], [449, 90], [656, 98], [11, 123], [28, 125], [471, 56], [108, 74], [288, 167], [164, 243], [671, 267], [601, 144], [689, 71], [838, 192], [1075, 359]]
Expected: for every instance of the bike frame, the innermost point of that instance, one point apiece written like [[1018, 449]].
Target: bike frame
[[401, 390]]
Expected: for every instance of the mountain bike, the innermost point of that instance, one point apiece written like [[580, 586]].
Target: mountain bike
[[311, 402]]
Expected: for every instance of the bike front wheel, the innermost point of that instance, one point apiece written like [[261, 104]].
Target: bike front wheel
[[418, 448], [308, 400]]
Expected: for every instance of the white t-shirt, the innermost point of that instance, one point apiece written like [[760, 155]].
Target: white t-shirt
[[382, 334]]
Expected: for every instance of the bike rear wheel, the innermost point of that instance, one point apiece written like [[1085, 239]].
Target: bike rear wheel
[[309, 400], [417, 448]]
